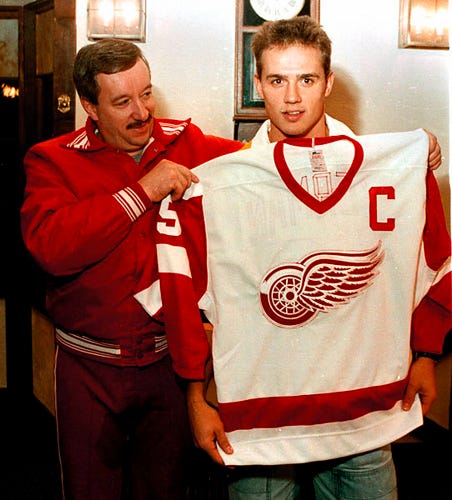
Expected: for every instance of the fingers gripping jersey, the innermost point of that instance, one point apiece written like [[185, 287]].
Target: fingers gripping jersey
[[309, 260]]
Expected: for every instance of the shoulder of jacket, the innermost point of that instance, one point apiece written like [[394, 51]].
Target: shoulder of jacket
[[72, 140]]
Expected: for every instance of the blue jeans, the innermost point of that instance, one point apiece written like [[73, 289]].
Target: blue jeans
[[367, 476]]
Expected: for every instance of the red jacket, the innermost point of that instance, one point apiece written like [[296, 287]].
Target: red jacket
[[89, 225]]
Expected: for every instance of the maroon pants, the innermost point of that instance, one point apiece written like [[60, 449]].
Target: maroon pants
[[116, 423]]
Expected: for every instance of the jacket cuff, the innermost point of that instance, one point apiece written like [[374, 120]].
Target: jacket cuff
[[133, 200]]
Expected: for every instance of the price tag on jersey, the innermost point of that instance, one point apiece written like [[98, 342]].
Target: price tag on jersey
[[317, 160]]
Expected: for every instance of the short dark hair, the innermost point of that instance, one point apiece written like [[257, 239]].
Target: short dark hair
[[105, 56], [300, 30]]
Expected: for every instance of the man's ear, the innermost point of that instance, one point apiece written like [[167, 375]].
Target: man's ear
[[258, 85], [89, 107], [329, 84]]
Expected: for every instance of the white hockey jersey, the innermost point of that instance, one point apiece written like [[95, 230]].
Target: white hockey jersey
[[308, 259]]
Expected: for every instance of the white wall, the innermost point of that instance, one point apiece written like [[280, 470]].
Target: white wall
[[190, 47], [378, 88]]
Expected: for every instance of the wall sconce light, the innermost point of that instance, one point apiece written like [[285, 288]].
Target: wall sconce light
[[117, 19], [424, 24]]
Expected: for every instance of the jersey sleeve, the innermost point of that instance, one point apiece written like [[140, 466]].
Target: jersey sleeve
[[181, 282], [432, 317]]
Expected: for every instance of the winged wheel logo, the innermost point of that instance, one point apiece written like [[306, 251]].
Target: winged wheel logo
[[294, 293]]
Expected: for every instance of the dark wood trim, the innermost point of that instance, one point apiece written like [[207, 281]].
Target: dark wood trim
[[64, 54], [21, 276]]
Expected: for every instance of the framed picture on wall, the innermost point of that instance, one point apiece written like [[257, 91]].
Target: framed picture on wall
[[250, 15], [9, 47]]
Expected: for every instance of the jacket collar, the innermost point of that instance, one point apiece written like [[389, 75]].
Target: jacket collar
[[165, 132]]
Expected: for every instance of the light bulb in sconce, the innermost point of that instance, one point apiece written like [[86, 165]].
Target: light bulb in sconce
[[424, 24], [116, 19]]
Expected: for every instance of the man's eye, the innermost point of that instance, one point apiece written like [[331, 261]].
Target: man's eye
[[123, 102]]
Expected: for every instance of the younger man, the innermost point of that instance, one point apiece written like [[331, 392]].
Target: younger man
[[294, 78]]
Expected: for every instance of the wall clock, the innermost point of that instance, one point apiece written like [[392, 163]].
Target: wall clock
[[271, 10]]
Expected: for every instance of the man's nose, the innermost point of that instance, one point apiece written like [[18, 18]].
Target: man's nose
[[140, 110], [292, 94]]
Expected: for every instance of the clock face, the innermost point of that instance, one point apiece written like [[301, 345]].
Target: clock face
[[272, 10]]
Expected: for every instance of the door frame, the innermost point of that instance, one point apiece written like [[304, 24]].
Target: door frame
[[21, 270]]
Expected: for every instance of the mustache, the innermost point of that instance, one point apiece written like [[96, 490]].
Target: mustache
[[139, 123]]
